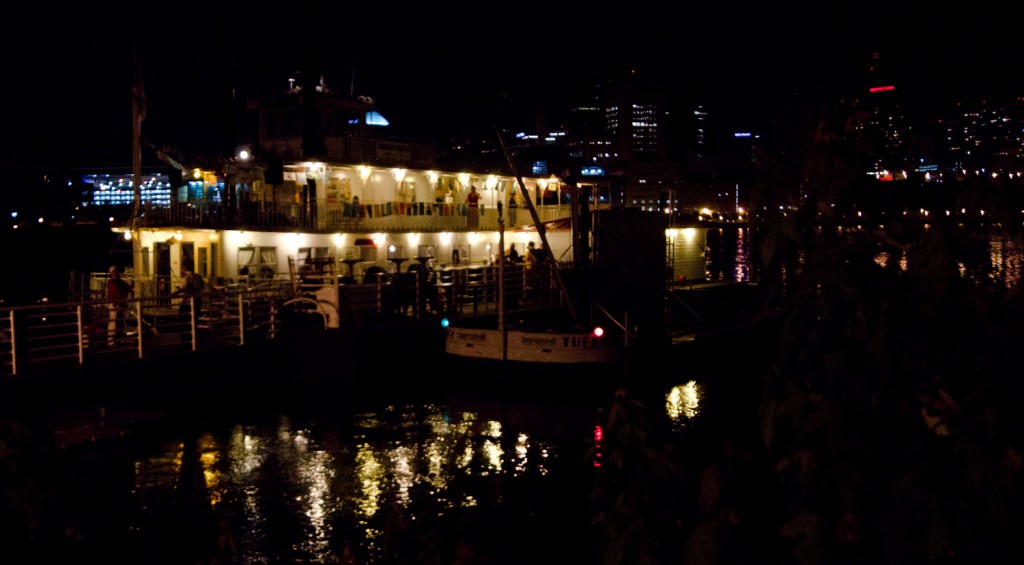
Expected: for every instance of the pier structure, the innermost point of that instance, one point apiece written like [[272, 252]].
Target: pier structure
[[56, 336]]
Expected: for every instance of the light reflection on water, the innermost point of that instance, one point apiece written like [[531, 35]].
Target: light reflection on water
[[725, 254], [333, 489], [741, 271], [1004, 256], [682, 402]]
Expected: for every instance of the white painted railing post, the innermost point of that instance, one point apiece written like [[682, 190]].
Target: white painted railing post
[[81, 336], [14, 345], [192, 318], [138, 326], [241, 320], [273, 320]]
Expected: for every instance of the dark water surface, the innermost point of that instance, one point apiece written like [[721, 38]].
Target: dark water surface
[[254, 461], [391, 483], [271, 466], [304, 471]]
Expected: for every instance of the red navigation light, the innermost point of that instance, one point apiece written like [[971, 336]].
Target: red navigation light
[[598, 332]]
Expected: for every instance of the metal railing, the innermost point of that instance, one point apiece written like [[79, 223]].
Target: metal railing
[[47, 336], [386, 216], [58, 335]]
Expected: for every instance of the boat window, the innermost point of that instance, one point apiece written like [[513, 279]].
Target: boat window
[[314, 253], [268, 260], [367, 252], [426, 251], [214, 254], [338, 191], [407, 191], [188, 253], [461, 253], [246, 260], [203, 261], [257, 261]]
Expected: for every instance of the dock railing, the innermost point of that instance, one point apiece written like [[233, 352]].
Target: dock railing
[[50, 336], [55, 335]]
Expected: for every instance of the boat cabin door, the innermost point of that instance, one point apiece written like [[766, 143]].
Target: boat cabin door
[[162, 252]]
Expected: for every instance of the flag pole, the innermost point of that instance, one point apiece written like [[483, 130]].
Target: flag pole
[[138, 114]]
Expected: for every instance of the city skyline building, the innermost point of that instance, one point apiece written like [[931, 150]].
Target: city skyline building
[[641, 141], [985, 137], [880, 122], [636, 117]]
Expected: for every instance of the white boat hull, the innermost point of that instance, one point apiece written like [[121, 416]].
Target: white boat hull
[[533, 346]]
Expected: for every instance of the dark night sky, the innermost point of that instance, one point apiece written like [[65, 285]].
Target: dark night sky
[[69, 68]]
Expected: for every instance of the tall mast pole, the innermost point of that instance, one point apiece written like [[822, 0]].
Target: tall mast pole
[[501, 286], [536, 220], [138, 114]]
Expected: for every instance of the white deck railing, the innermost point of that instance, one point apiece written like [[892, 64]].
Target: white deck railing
[[58, 335], [392, 217]]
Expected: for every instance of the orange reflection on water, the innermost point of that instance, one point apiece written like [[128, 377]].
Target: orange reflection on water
[[349, 485], [1005, 256]]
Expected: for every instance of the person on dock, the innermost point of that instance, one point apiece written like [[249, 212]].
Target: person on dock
[[118, 294]]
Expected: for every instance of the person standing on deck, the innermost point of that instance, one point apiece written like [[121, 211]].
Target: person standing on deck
[[513, 255], [118, 293], [531, 255], [191, 287], [513, 205], [472, 208]]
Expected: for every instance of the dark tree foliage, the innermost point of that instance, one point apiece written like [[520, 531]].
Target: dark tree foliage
[[891, 411]]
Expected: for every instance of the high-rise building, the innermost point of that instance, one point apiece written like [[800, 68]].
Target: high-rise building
[[641, 167], [700, 135], [880, 123], [985, 137], [614, 134], [637, 120]]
